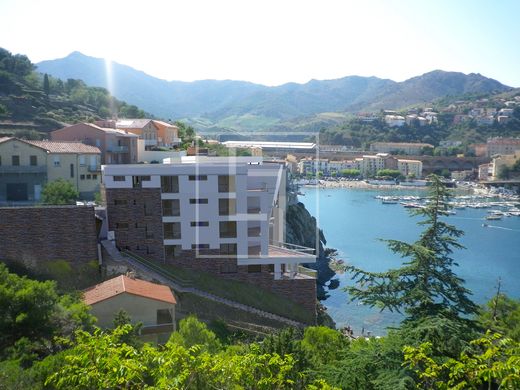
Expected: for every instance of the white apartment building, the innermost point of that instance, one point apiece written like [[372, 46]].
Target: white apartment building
[[226, 215], [312, 166]]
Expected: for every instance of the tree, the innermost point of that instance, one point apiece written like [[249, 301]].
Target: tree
[[493, 363], [502, 314], [426, 284], [193, 332], [59, 192], [46, 86], [33, 311]]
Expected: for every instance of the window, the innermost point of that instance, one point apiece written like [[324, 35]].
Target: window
[[137, 181], [121, 225], [0, 160], [228, 249], [198, 201], [15, 160], [56, 161], [149, 232], [199, 246], [199, 223], [120, 202], [148, 208], [82, 161], [170, 184], [89, 177], [226, 183], [33, 160], [172, 230], [227, 207], [228, 268], [254, 268], [118, 178], [171, 208], [71, 170], [172, 251], [198, 177], [94, 177], [164, 316], [82, 177], [228, 229], [254, 250]]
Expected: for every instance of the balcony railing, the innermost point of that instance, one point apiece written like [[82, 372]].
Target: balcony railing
[[117, 149], [94, 168], [23, 169], [253, 210]]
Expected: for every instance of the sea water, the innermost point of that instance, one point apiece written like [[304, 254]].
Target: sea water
[[354, 221]]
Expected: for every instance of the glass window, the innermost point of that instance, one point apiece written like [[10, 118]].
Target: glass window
[[164, 316], [118, 178], [171, 208], [121, 225], [120, 202], [228, 268], [172, 230], [172, 251], [199, 246], [227, 207], [170, 184], [56, 161], [198, 201], [226, 183], [198, 177], [228, 229], [34, 160], [228, 249], [199, 223], [15, 160]]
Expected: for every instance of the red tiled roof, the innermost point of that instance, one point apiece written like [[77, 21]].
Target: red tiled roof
[[121, 284], [64, 147]]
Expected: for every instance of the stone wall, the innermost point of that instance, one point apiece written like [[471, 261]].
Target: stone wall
[[36, 235], [300, 291], [141, 211]]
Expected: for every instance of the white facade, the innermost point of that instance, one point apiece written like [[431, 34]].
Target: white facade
[[371, 164], [395, 120], [238, 201]]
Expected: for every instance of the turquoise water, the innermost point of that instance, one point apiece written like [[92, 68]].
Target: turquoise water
[[353, 221]]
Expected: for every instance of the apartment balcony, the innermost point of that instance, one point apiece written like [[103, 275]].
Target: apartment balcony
[[117, 149], [94, 168], [253, 210], [280, 253], [23, 168]]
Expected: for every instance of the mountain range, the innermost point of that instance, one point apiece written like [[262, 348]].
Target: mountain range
[[247, 106]]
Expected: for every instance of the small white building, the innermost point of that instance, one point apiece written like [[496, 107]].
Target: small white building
[[410, 168], [395, 120]]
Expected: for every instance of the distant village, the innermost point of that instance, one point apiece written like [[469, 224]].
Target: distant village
[[159, 204]]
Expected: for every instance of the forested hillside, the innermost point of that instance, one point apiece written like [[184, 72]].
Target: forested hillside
[[33, 103]]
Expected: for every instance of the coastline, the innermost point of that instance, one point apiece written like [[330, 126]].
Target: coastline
[[360, 184]]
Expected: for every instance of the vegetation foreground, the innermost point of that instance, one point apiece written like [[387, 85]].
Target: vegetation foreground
[[48, 339]]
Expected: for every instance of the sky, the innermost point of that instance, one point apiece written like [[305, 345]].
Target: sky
[[273, 42]]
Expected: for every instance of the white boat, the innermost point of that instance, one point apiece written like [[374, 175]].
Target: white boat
[[494, 217]]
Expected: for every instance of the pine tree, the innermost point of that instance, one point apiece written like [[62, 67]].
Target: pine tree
[[425, 285]]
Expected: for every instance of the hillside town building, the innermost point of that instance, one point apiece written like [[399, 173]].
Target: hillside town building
[[26, 166], [399, 147]]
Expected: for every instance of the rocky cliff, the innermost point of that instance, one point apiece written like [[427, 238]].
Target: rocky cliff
[[302, 230]]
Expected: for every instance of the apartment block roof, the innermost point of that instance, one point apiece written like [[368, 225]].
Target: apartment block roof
[[58, 146], [109, 130], [124, 284], [65, 147], [132, 123]]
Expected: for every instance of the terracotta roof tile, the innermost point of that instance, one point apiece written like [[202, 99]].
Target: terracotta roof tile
[[64, 147], [121, 284]]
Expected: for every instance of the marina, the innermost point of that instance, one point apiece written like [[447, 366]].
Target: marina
[[355, 220]]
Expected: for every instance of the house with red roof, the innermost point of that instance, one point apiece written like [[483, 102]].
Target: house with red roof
[[151, 304]]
